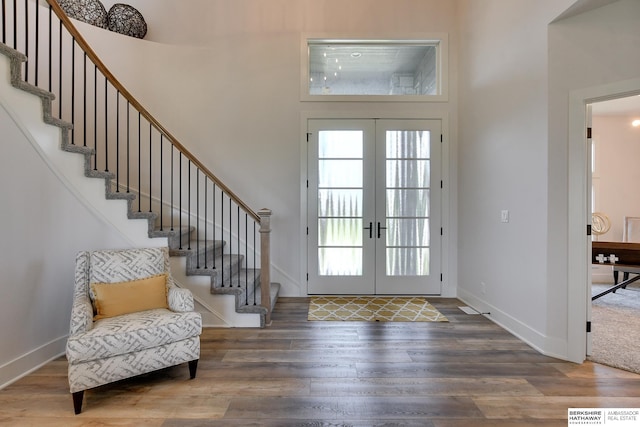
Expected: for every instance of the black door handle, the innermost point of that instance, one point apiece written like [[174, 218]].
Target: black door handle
[[370, 228], [380, 228]]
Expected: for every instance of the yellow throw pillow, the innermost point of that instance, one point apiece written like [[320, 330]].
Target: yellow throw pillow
[[114, 299]]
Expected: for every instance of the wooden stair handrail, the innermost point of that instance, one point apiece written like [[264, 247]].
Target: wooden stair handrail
[[66, 21]]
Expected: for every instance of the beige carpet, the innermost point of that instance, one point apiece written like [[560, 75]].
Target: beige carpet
[[373, 309], [615, 328]]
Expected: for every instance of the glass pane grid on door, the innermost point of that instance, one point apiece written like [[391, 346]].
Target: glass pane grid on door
[[340, 209], [407, 193]]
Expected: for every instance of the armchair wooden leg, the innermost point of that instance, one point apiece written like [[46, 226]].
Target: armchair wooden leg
[[193, 365], [77, 401]]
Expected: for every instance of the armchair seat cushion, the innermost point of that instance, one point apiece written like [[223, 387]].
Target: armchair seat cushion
[[132, 332]]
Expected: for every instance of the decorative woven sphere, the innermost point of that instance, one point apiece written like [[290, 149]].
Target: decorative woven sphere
[[90, 11], [125, 19]]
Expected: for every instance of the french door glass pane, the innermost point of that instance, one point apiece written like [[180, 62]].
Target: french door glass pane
[[340, 203], [340, 197], [411, 203], [407, 261], [340, 261], [408, 232], [339, 173], [340, 144], [408, 173], [408, 144], [340, 232]]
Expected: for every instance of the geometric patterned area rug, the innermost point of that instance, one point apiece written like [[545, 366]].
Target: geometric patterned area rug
[[373, 309]]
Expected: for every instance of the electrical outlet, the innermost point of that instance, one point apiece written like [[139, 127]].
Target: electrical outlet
[[483, 288], [504, 215]]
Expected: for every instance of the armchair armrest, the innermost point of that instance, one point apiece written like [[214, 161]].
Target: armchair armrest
[[81, 315], [180, 300]]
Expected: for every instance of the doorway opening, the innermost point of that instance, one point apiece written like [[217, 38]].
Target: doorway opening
[[615, 208]]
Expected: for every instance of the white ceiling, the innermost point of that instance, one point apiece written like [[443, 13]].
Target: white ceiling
[[629, 106]]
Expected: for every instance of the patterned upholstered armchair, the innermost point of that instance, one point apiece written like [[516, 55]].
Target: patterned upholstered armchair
[[128, 318]]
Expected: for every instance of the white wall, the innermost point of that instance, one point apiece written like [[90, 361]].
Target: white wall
[[224, 76], [503, 161], [617, 174], [44, 226]]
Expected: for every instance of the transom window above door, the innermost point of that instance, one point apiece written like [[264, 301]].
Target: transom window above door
[[382, 70]]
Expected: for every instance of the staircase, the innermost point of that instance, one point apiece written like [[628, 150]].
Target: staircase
[[228, 277], [211, 234]]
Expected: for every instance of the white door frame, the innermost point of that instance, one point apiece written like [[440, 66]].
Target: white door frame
[[578, 260], [588, 205], [447, 268]]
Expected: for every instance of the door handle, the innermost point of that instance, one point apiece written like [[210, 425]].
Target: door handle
[[370, 228], [380, 228]]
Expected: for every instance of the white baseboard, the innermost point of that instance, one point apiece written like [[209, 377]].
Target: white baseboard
[[27, 363], [549, 346]]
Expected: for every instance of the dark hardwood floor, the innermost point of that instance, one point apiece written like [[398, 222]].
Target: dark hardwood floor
[[466, 372]]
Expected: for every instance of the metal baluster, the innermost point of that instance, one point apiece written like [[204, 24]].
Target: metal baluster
[[254, 260], [189, 202], [213, 197], [117, 141], [150, 166], [15, 27], [139, 162], [161, 180], [197, 217], [50, 45], [26, 40], [95, 117], [60, 71], [222, 236], [73, 87], [37, 44], [84, 105], [246, 254], [4, 22], [128, 148], [106, 126], [238, 242], [230, 242], [206, 181], [172, 206], [180, 197]]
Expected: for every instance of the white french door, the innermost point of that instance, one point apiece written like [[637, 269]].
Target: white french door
[[374, 192]]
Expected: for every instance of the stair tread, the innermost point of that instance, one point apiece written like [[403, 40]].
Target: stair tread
[[174, 229], [193, 245]]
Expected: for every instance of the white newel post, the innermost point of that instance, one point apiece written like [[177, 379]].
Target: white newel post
[[265, 261]]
